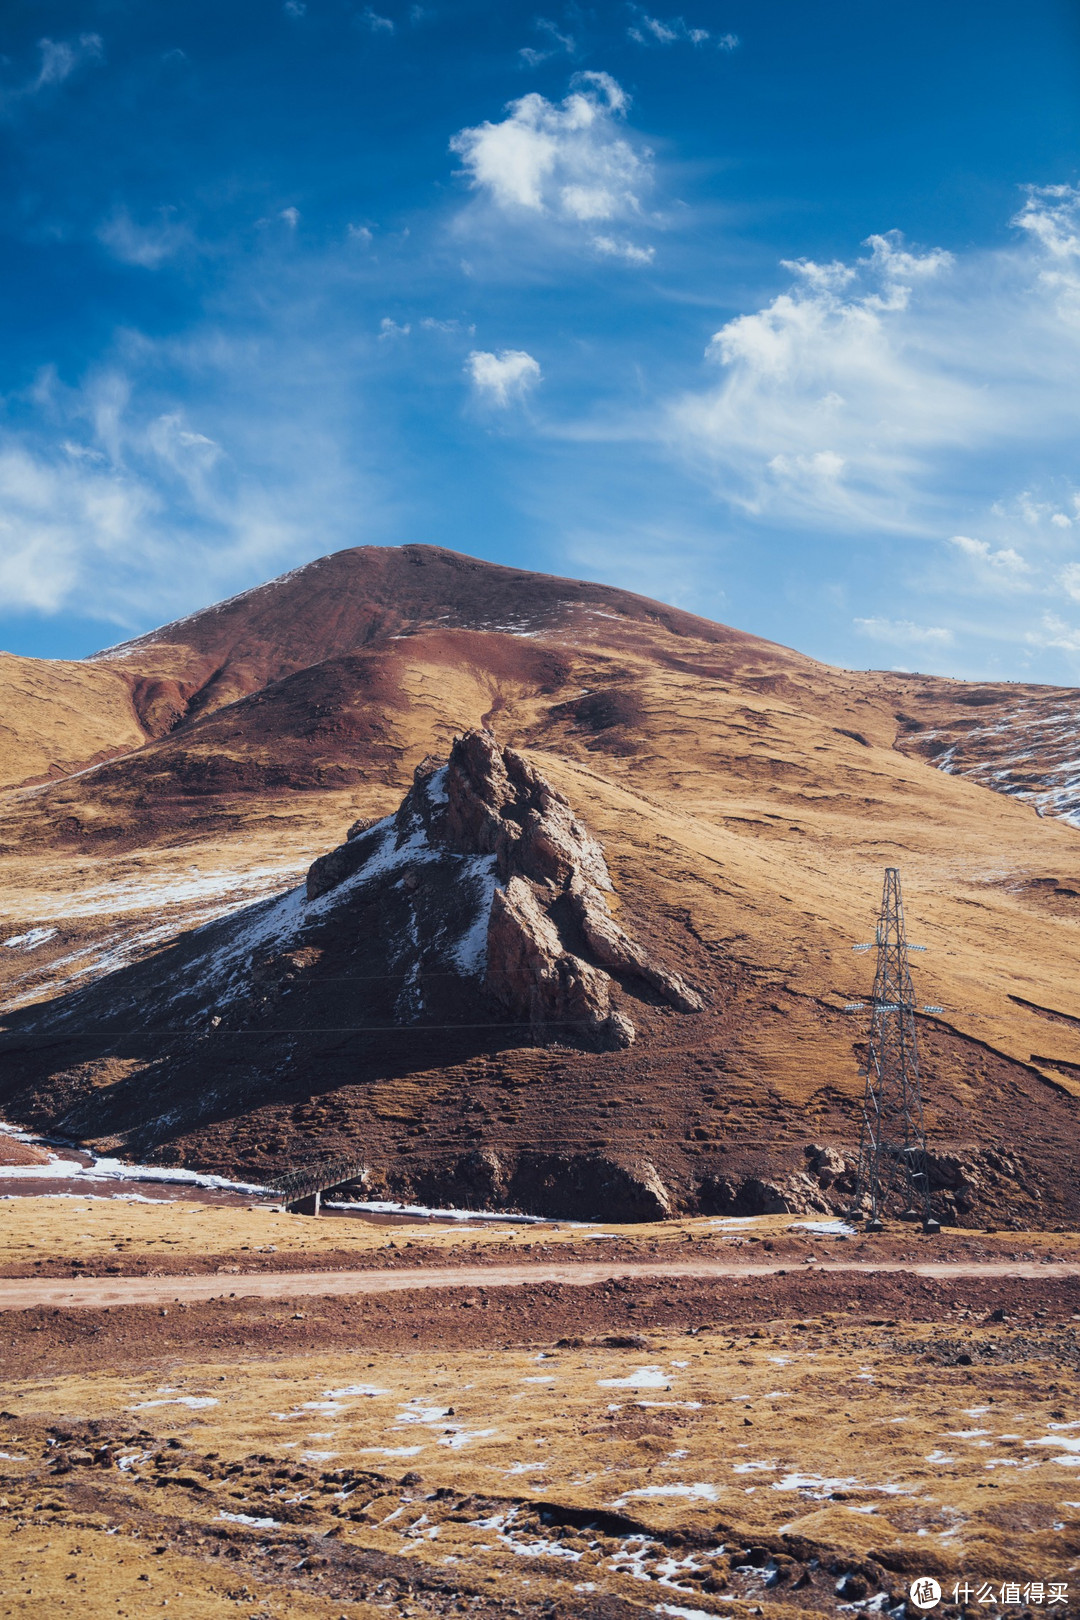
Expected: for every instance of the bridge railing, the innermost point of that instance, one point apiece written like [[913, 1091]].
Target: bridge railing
[[316, 1178]]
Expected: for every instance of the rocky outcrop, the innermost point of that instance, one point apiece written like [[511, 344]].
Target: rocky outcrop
[[559, 1185], [334, 868], [614, 950], [823, 1187], [796, 1194], [573, 1186], [554, 953], [490, 801], [531, 974], [825, 1163]]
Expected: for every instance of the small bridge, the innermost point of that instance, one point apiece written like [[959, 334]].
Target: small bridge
[[301, 1190]]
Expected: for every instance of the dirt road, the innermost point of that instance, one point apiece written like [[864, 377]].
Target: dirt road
[[98, 1292]]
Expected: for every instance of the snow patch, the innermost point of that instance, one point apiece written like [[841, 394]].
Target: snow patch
[[465, 1437], [640, 1378], [687, 1614], [698, 1493], [58, 1168], [194, 1401], [30, 941], [426, 1212]]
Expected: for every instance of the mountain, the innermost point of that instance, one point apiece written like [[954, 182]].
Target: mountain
[[744, 798]]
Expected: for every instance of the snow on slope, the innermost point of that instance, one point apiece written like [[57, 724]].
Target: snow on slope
[[1031, 752], [222, 954]]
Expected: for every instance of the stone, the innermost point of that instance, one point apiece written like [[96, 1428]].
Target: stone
[[573, 1186], [614, 950], [825, 1163], [343, 862], [533, 977]]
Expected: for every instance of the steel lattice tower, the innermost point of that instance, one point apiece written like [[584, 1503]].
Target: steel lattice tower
[[892, 1150]]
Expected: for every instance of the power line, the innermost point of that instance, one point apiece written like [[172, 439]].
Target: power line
[[54, 1036]]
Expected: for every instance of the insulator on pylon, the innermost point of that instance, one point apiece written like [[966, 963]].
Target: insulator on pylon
[[855, 1006], [933, 1009]]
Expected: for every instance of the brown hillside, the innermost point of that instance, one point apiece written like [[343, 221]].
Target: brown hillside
[[747, 799], [57, 715]]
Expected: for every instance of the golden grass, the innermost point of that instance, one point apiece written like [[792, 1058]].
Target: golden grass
[[842, 1435], [171, 1233]]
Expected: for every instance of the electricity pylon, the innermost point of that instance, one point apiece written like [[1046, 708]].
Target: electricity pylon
[[892, 1148]]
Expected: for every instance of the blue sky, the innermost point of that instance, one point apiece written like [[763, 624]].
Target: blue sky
[[770, 310]]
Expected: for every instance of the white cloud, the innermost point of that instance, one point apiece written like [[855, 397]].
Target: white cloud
[[1049, 214], [291, 216], [188, 454], [60, 58], [1006, 562], [1034, 512], [50, 514], [901, 391], [377, 24], [123, 505], [559, 42], [1054, 632], [657, 31], [502, 378], [1069, 580], [567, 163], [902, 633], [146, 245], [389, 328], [614, 247]]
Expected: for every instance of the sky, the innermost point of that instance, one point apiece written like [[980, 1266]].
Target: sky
[[769, 309]]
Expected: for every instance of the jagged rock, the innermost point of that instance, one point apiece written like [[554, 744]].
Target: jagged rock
[[795, 1195], [615, 950], [825, 1163], [361, 825], [552, 943], [497, 804], [767, 1198], [561, 1185], [574, 1186], [341, 863], [483, 1174], [531, 974]]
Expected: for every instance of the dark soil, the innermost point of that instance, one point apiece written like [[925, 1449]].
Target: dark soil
[[39, 1342]]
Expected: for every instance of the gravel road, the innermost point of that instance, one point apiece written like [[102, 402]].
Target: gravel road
[[98, 1292]]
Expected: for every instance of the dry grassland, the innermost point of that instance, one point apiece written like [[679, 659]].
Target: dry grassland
[[541, 1474], [718, 1466], [107, 1234]]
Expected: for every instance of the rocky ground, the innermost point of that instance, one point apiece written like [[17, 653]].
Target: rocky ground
[[745, 1445]]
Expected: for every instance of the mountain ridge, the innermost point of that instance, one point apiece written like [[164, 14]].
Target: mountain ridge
[[747, 799]]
